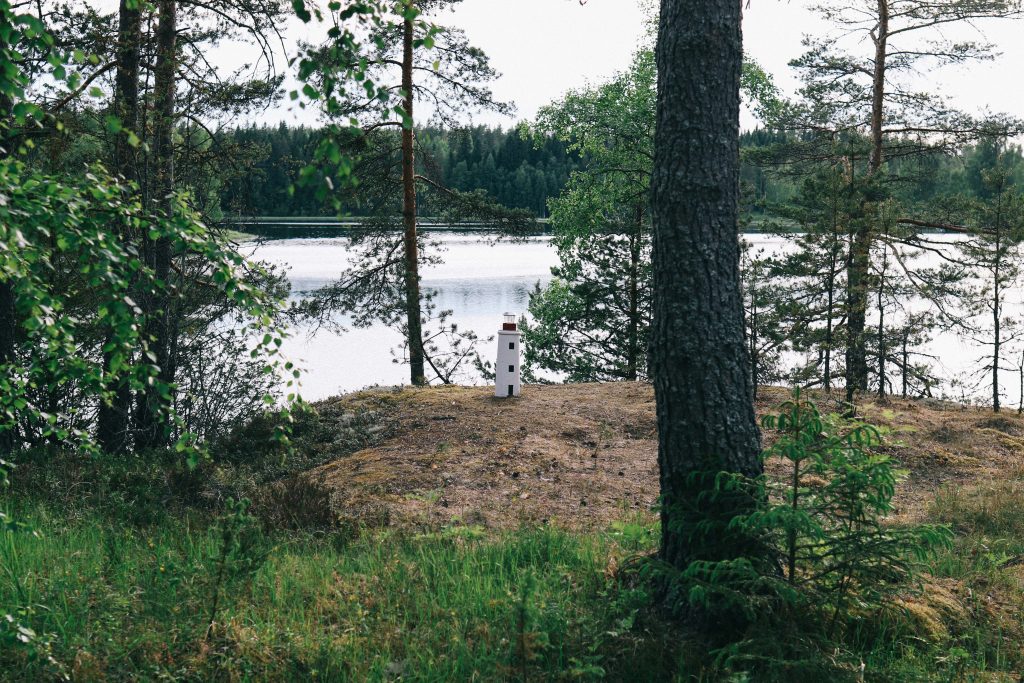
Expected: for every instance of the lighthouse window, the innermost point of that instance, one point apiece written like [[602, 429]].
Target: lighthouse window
[[511, 368], [511, 345]]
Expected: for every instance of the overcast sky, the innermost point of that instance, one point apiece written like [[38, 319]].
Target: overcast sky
[[545, 47]]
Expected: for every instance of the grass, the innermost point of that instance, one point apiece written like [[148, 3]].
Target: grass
[[239, 236], [119, 580], [117, 602], [985, 567], [122, 603]]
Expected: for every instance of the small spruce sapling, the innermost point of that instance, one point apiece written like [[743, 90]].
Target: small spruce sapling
[[827, 559], [838, 549]]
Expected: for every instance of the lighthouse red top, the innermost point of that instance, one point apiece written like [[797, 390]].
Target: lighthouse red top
[[510, 322]]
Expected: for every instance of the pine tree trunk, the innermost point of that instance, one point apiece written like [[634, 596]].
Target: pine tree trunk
[[699, 361], [753, 341], [158, 252], [633, 331], [858, 265], [881, 37], [997, 296], [860, 248], [126, 87], [905, 360], [113, 424], [413, 314], [830, 289], [881, 325]]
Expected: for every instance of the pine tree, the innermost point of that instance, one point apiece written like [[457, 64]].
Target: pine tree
[[994, 253], [426, 63], [869, 97], [699, 362]]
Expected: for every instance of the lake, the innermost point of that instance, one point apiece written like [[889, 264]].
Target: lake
[[479, 281]]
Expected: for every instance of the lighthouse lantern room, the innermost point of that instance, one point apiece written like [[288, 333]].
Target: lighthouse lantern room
[[506, 370]]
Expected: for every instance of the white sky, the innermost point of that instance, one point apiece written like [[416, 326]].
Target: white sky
[[544, 47]]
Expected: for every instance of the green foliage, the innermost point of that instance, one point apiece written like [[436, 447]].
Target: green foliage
[[128, 597], [824, 565], [767, 335], [60, 252], [761, 93], [422, 63], [73, 283], [514, 171], [130, 604], [993, 253], [831, 512], [36, 648], [592, 322], [342, 78]]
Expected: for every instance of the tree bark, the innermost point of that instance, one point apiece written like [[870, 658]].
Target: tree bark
[[830, 289], [882, 351], [412, 276], [157, 252], [113, 423], [858, 265], [633, 331], [997, 303], [699, 360], [881, 39], [905, 357], [860, 249]]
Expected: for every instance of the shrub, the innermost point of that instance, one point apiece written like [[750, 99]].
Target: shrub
[[826, 562]]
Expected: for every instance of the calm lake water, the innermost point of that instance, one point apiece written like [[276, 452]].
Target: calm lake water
[[479, 281]]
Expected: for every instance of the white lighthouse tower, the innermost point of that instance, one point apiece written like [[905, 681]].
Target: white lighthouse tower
[[506, 370]]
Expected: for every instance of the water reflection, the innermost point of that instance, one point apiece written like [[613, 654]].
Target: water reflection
[[478, 281]]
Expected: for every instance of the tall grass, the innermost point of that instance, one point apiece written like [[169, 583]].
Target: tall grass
[[121, 603], [120, 586]]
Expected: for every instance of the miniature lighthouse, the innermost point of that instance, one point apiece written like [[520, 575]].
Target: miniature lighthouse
[[506, 370]]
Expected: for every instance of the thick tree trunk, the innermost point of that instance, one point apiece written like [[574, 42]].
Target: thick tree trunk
[[158, 252], [699, 361], [112, 427], [126, 90], [412, 266]]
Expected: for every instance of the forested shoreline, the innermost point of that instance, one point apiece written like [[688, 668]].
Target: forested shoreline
[[519, 169]]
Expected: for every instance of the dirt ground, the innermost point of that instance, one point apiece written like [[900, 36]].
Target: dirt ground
[[582, 455]]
